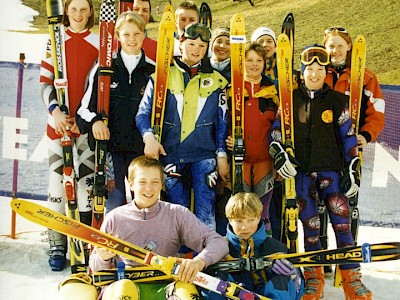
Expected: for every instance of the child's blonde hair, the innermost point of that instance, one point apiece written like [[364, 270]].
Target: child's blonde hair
[[130, 17], [141, 162], [243, 205]]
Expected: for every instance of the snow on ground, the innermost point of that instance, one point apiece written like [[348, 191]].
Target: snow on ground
[[25, 275], [15, 16]]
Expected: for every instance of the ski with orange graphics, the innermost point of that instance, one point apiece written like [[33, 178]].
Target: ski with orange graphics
[[284, 55], [51, 219], [238, 41], [165, 50]]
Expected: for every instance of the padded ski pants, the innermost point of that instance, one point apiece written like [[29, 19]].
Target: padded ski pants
[[326, 184], [180, 178], [84, 166]]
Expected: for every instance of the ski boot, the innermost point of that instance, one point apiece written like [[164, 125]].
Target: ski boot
[[58, 250], [353, 288], [315, 281]]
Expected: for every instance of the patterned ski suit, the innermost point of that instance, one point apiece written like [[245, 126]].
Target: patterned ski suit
[[324, 143], [81, 52]]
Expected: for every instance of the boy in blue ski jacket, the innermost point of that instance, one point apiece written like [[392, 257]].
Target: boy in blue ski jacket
[[192, 145], [248, 241]]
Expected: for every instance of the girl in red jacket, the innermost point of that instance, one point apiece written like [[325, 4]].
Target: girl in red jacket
[[261, 104]]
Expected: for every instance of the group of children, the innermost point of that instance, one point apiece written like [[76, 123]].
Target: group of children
[[193, 151]]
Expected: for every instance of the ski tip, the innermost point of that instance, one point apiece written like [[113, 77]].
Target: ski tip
[[169, 8], [204, 7], [289, 18]]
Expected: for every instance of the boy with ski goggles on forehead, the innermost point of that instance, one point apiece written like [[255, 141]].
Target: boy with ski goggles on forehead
[[195, 30]]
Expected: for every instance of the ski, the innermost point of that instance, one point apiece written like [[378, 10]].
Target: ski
[[365, 253], [205, 15], [288, 28], [165, 49], [63, 224], [137, 274], [55, 13], [356, 89], [284, 54], [106, 32], [358, 58], [238, 40]]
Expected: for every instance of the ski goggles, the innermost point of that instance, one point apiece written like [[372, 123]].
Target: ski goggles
[[193, 31], [335, 28], [309, 55]]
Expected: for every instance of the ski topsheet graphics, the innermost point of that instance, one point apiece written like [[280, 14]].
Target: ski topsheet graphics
[[165, 48], [51, 219], [356, 89], [358, 58], [55, 12], [238, 40], [58, 222], [107, 23], [284, 56]]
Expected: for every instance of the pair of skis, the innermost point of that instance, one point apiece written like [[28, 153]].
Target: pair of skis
[[55, 12], [365, 253], [58, 222], [106, 32], [238, 42], [167, 267]]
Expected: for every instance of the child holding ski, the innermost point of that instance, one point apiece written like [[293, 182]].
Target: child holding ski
[[248, 241], [81, 52], [131, 71], [192, 145], [261, 104], [338, 44], [160, 226], [266, 37], [325, 148]]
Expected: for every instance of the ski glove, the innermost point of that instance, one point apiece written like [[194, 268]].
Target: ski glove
[[350, 182], [284, 163], [283, 267]]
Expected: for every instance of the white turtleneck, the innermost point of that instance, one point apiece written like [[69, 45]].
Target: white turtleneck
[[220, 66], [130, 61]]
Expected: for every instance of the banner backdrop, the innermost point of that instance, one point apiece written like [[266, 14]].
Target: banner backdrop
[[379, 200]]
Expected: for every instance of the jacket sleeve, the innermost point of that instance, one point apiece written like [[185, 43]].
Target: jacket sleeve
[[346, 132], [87, 114], [143, 116], [211, 246], [275, 134], [47, 89], [372, 118]]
